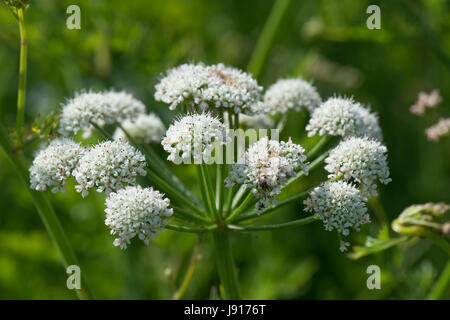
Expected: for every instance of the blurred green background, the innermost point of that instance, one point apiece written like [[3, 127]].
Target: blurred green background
[[127, 44]]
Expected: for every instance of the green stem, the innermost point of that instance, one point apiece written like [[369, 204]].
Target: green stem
[[203, 191], [283, 225], [279, 205], [377, 207], [209, 191], [191, 229], [282, 122], [45, 210], [219, 187], [101, 131], [225, 265], [22, 76], [441, 287], [318, 146], [172, 192], [244, 205], [169, 173], [183, 213], [188, 276], [230, 200], [313, 165], [242, 193], [380, 213], [267, 37]]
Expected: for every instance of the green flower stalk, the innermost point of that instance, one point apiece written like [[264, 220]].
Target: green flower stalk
[[22, 72], [56, 171]]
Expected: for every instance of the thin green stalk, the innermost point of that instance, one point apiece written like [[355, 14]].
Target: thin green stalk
[[284, 225], [191, 229], [225, 265], [209, 191], [22, 76], [275, 207], [203, 191], [441, 286], [174, 180], [313, 165], [239, 195], [377, 207], [175, 194], [219, 188], [318, 146], [229, 200], [45, 210], [282, 122], [101, 131], [183, 213], [188, 276], [244, 205], [267, 37]]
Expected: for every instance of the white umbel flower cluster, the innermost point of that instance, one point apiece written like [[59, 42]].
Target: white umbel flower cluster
[[216, 86], [266, 167], [109, 166], [343, 117], [360, 160], [54, 164], [193, 136], [340, 206], [98, 107], [293, 94], [123, 105], [147, 128], [135, 211]]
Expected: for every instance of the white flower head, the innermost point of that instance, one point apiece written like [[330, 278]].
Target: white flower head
[[343, 117], [340, 206], [193, 136], [266, 167], [109, 166], [123, 105], [360, 160], [135, 211], [146, 128], [209, 87], [87, 107], [288, 94], [54, 164]]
